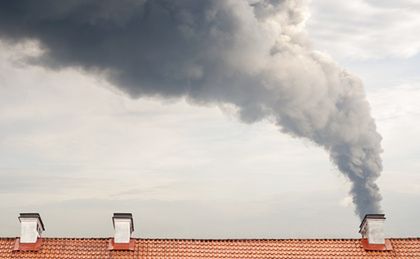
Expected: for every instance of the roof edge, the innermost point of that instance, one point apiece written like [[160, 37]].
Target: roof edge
[[215, 239]]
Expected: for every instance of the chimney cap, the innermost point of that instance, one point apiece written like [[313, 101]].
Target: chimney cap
[[32, 215], [371, 216], [119, 215]]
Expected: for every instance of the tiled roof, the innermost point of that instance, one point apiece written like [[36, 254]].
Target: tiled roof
[[84, 248]]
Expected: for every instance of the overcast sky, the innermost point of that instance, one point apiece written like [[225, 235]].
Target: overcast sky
[[75, 149]]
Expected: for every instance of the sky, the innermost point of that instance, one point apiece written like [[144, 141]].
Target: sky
[[77, 146]]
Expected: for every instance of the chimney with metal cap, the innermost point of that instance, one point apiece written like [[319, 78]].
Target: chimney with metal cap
[[372, 229], [123, 226], [31, 227]]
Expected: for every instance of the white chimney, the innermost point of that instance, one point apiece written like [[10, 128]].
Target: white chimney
[[123, 226], [372, 228], [31, 227]]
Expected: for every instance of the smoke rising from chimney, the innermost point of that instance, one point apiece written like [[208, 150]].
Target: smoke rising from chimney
[[254, 55]]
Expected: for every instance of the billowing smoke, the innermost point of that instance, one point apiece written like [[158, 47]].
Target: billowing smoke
[[252, 55]]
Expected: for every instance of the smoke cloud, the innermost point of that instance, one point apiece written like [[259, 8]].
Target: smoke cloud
[[253, 55]]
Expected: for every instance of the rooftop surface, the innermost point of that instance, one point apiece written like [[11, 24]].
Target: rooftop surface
[[84, 248]]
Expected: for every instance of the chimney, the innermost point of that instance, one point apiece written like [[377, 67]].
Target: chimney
[[372, 229], [31, 227], [123, 226]]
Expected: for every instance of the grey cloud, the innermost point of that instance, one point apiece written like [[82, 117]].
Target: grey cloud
[[252, 55]]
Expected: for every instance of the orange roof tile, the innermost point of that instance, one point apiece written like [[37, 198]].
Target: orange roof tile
[[84, 248]]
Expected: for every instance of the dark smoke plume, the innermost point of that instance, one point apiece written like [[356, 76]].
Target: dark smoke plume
[[253, 55]]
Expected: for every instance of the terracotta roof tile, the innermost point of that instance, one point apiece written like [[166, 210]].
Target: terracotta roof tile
[[87, 248]]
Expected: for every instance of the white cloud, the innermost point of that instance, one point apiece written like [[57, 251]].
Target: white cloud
[[397, 110], [398, 102], [366, 29]]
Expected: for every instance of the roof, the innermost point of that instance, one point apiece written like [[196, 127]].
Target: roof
[[84, 248]]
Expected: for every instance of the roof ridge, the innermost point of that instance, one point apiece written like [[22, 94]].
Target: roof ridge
[[216, 239]]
